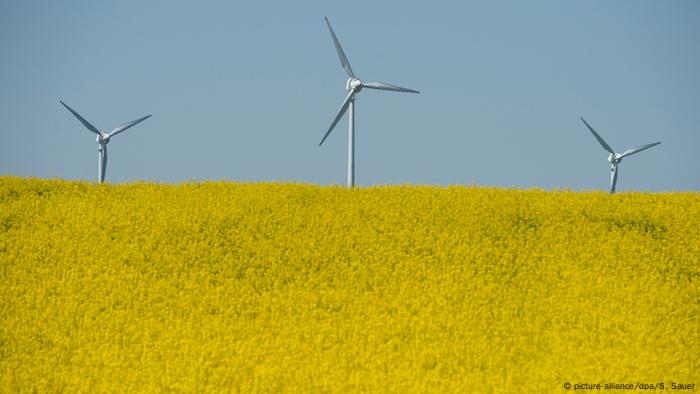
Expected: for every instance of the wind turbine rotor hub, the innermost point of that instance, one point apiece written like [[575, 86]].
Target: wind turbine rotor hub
[[615, 158], [102, 138], [354, 84]]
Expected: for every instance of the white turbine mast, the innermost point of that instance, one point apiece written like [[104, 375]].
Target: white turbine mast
[[103, 138], [615, 158], [353, 86]]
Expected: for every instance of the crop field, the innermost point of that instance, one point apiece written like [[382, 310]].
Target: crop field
[[224, 286]]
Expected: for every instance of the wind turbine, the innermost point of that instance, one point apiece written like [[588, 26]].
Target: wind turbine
[[103, 138], [353, 86], [615, 158]]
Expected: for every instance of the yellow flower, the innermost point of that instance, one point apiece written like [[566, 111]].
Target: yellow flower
[[221, 286]]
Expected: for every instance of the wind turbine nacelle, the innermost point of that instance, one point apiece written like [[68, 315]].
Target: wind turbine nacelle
[[102, 138], [615, 158], [353, 84]]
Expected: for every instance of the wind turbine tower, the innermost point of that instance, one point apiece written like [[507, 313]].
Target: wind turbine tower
[[354, 85], [615, 158], [102, 139]]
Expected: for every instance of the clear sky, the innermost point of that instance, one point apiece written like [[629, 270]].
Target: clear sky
[[245, 91]]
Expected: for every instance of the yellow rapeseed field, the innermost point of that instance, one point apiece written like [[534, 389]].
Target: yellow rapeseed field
[[223, 286]]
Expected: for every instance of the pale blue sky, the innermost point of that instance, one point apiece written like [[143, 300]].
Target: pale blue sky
[[245, 91]]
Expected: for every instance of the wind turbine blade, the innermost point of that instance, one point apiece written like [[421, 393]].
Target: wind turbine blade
[[104, 162], [599, 138], [613, 178], [82, 120], [125, 126], [386, 86], [639, 149], [340, 114], [343, 59]]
